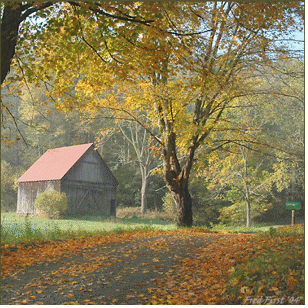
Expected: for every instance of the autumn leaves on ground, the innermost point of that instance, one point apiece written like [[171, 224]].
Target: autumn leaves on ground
[[184, 266]]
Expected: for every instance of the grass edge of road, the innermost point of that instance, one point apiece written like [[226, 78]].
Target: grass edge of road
[[274, 269], [232, 271]]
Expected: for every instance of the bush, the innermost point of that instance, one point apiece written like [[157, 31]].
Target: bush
[[169, 206], [51, 204], [134, 212], [236, 213], [8, 191], [128, 212]]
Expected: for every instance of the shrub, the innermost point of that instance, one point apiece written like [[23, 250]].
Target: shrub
[[169, 206], [134, 212], [51, 204], [236, 213], [128, 212]]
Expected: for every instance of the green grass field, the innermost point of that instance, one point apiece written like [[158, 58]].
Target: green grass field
[[16, 229]]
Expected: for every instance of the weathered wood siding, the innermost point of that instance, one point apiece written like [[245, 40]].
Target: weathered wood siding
[[90, 168], [28, 192], [90, 186], [85, 198]]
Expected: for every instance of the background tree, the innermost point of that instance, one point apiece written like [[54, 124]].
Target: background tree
[[263, 151], [9, 175], [243, 180], [285, 116], [286, 126], [141, 143]]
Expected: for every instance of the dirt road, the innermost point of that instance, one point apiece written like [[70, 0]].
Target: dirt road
[[114, 273]]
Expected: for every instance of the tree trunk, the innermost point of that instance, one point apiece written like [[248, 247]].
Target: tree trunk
[[144, 185], [184, 208], [10, 22], [247, 212], [177, 178], [246, 186]]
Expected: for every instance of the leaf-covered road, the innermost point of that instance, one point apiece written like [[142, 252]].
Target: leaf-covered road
[[186, 266], [121, 272]]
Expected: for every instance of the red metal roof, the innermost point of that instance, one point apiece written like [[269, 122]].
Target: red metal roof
[[54, 164]]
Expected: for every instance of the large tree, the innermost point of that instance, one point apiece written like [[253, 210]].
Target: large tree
[[174, 71], [14, 14], [19, 20]]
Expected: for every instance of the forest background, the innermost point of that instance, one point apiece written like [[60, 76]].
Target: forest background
[[257, 165]]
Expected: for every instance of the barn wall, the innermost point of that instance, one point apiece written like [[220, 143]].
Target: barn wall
[[28, 192], [89, 198], [91, 168], [90, 186]]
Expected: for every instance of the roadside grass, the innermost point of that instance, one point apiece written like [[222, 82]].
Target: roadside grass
[[273, 271], [256, 228], [16, 229]]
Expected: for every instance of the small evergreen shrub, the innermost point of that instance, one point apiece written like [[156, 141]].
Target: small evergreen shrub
[[51, 204]]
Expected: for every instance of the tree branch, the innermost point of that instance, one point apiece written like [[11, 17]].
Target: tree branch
[[104, 13]]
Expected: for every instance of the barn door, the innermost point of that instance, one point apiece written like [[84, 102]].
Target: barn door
[[96, 202], [80, 206], [91, 201], [113, 207]]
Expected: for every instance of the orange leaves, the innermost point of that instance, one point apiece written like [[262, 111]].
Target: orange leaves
[[15, 258], [214, 273], [13, 261], [89, 302], [142, 284], [272, 269], [292, 282], [201, 279]]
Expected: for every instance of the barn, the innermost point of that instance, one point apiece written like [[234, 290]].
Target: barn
[[79, 171]]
